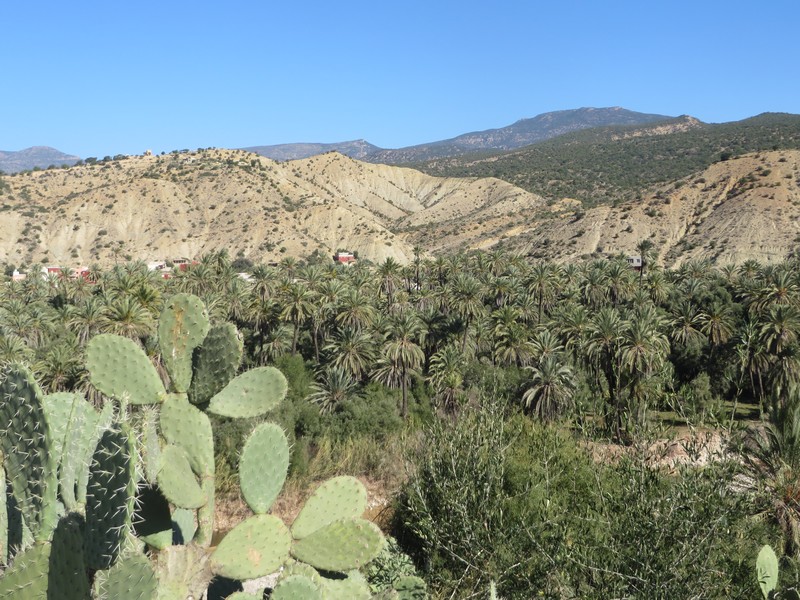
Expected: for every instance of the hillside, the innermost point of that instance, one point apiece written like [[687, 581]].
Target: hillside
[[739, 209], [613, 164], [185, 204], [35, 157]]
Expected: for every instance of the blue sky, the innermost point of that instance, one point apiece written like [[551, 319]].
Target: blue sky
[[102, 78]]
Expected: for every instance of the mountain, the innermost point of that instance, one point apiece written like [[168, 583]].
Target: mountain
[[36, 156], [522, 133], [189, 203], [614, 164], [359, 149]]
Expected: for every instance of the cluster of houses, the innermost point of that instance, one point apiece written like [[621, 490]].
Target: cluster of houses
[[165, 267]]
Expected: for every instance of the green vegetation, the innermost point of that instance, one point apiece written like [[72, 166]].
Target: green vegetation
[[612, 164], [558, 431]]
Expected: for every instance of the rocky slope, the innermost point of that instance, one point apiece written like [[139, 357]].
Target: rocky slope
[[743, 208], [185, 204]]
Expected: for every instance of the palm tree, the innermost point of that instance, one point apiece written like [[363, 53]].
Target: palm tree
[[780, 327], [334, 387], [686, 323], [446, 377], [542, 282], [352, 351], [551, 386], [643, 350], [772, 457], [605, 336], [717, 323], [354, 310], [297, 307], [87, 319], [402, 355], [126, 317], [467, 302]]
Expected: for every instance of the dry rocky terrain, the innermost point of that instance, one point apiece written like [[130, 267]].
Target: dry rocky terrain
[[185, 204]]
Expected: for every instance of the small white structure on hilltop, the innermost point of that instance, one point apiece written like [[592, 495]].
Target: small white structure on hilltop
[[148, 153]]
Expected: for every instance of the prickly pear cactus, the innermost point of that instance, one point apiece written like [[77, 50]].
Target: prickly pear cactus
[[110, 497], [262, 480], [215, 362], [182, 327], [120, 369], [28, 447]]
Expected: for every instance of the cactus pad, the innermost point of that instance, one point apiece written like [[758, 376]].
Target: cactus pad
[[80, 440], [254, 548], [67, 572], [183, 572], [181, 328], [110, 497], [131, 578], [120, 369], [183, 525], [26, 579], [251, 394], [188, 427], [352, 587], [176, 479], [337, 498], [215, 362], [263, 466], [343, 545], [767, 570], [27, 445], [296, 587]]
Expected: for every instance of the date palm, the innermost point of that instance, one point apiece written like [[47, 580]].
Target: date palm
[[126, 317], [466, 300], [446, 377], [402, 356], [352, 351], [643, 349], [355, 310], [298, 306], [605, 337], [333, 387], [550, 391]]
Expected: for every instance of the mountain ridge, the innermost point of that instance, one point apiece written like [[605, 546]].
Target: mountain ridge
[[34, 157], [521, 133]]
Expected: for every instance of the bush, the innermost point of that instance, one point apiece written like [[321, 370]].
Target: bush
[[526, 506]]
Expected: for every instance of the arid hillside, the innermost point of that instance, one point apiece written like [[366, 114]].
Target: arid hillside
[[746, 207], [185, 204]]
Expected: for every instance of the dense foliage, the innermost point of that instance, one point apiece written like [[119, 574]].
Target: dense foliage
[[611, 164], [529, 394]]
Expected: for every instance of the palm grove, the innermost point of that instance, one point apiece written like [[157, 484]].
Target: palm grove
[[509, 406]]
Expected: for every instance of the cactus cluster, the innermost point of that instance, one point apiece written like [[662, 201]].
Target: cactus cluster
[[141, 471]]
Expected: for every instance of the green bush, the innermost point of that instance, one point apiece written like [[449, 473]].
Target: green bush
[[527, 506]]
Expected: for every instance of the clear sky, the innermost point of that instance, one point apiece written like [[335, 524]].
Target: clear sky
[[103, 78]]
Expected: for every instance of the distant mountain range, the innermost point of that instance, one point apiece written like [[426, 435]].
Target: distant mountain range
[[522, 133], [35, 157]]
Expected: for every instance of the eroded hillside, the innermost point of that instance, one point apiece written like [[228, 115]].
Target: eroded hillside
[[185, 204]]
